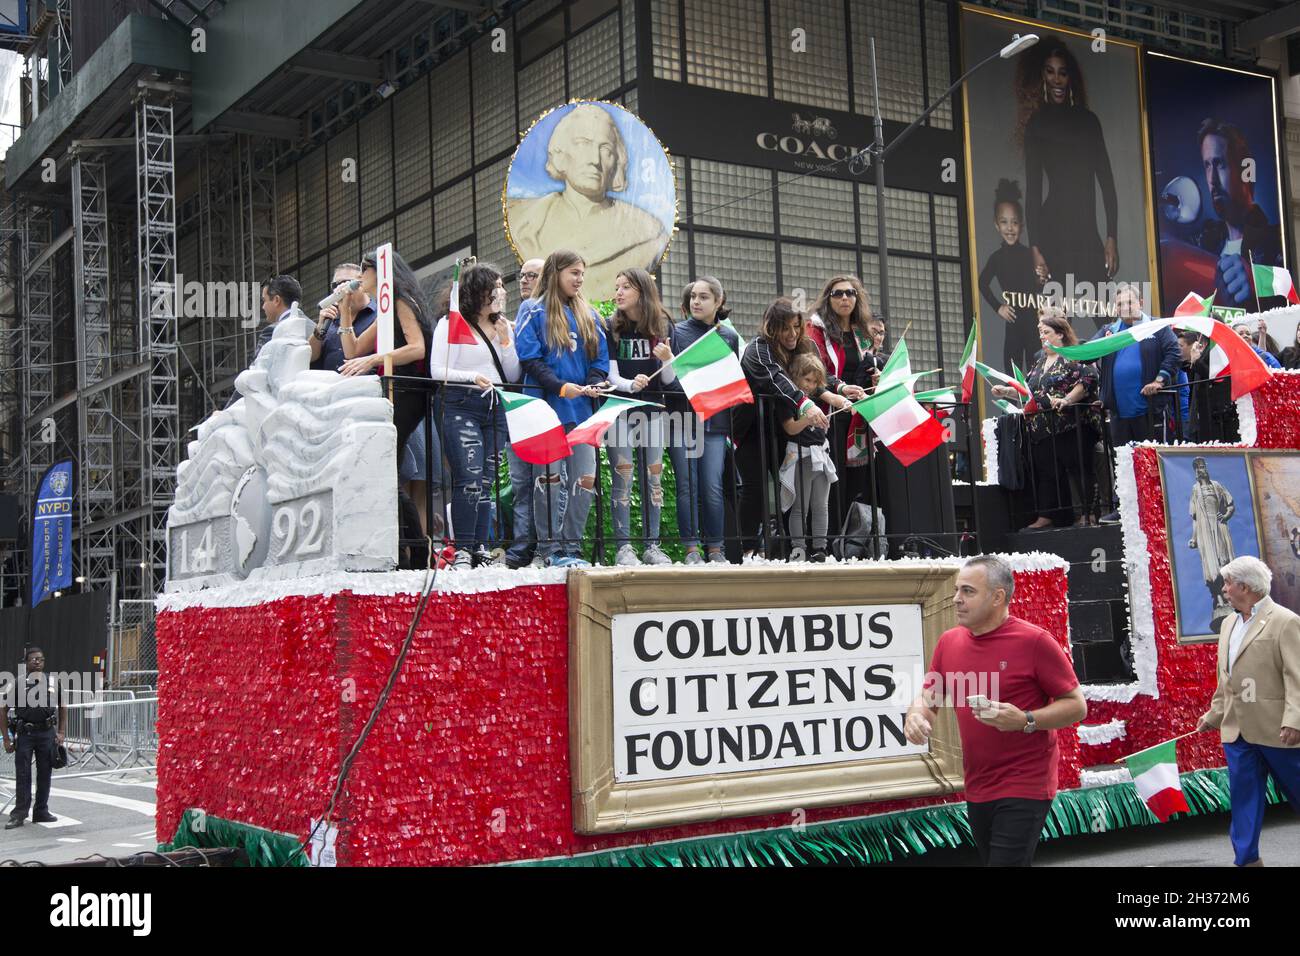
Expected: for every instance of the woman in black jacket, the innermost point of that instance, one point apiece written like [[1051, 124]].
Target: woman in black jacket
[[766, 362]]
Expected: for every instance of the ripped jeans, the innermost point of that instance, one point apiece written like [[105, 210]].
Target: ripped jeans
[[623, 460], [474, 439], [560, 502]]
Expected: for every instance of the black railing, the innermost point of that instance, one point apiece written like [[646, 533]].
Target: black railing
[[752, 517], [875, 506], [1067, 456]]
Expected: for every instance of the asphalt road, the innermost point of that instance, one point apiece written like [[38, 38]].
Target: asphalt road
[[113, 816]]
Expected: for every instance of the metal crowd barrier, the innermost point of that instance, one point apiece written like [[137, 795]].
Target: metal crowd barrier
[[113, 734], [117, 731]]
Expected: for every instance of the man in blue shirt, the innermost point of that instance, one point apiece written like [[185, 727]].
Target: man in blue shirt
[[326, 341], [1133, 377]]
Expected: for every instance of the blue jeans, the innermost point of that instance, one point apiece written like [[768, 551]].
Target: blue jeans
[[699, 491], [474, 439], [1249, 766], [561, 504], [648, 431], [411, 462], [521, 484]]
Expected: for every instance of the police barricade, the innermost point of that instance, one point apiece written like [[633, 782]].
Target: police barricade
[[115, 732]]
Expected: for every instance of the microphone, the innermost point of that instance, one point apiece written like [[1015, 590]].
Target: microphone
[[337, 295]]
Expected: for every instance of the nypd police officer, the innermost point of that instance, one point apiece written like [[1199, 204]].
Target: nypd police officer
[[39, 722]]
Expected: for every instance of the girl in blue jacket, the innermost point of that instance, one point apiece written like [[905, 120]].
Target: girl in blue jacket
[[560, 341]]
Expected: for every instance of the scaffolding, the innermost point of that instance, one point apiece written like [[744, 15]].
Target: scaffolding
[[156, 294], [37, 336], [95, 424]]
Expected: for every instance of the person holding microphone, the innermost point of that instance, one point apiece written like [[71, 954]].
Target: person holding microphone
[[328, 350]]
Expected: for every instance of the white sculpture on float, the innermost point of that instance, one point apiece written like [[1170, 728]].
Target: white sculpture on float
[[297, 477]]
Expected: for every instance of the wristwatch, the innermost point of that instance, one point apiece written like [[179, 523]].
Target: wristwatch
[[1030, 725]]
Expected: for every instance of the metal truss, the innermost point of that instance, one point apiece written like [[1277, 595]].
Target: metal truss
[[95, 425], [37, 342], [156, 249], [127, 406], [223, 345], [61, 32], [259, 255]]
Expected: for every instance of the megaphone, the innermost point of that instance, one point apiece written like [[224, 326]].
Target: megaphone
[[1180, 201]]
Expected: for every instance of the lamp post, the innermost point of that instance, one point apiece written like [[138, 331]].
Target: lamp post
[[876, 153]]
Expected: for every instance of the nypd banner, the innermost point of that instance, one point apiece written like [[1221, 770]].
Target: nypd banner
[[52, 533]]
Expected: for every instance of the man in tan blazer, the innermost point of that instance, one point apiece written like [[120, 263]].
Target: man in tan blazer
[[1256, 706]]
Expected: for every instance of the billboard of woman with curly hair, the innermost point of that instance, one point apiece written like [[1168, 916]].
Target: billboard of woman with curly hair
[[1056, 179]]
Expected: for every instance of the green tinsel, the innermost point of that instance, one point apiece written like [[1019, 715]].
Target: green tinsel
[[264, 847], [892, 836]]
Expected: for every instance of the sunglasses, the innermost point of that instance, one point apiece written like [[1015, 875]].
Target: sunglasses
[[844, 294]]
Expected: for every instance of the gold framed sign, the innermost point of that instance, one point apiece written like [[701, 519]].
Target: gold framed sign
[[1210, 518], [697, 696]]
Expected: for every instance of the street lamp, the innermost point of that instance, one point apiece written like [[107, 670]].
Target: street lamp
[[875, 154]]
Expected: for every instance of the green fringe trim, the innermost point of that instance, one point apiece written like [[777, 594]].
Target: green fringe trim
[[894, 836], [264, 847]]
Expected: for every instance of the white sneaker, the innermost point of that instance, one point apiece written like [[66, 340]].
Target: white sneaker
[[626, 557], [797, 554], [463, 560], [655, 555], [693, 557], [537, 562]]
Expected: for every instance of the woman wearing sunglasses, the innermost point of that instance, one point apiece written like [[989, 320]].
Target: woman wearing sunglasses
[[840, 328]]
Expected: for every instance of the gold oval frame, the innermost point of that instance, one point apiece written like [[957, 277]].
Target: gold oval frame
[[672, 170]]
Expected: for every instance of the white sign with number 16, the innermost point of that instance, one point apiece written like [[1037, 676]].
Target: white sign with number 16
[[384, 295]]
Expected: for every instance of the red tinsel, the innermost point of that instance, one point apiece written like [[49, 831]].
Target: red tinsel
[[1277, 412], [469, 761], [1185, 673]]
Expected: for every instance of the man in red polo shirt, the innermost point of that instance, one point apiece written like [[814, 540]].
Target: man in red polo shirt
[[1009, 750]]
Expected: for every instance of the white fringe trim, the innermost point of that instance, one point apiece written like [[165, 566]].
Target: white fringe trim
[[1094, 735]]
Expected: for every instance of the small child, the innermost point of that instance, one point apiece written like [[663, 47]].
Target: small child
[[1012, 267], [807, 471]]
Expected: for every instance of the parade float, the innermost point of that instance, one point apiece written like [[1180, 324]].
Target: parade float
[[607, 716]]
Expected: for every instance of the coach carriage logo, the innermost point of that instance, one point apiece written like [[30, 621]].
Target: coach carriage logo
[[809, 140], [59, 482], [817, 126]]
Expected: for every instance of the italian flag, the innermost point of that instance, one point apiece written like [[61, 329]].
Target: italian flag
[[536, 434], [903, 426], [1000, 378], [897, 368], [1009, 408], [459, 332], [1231, 355], [1193, 304], [1109, 344], [968, 364], [593, 429], [1032, 404], [1235, 358], [1270, 280], [938, 396], [1155, 774], [711, 375]]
